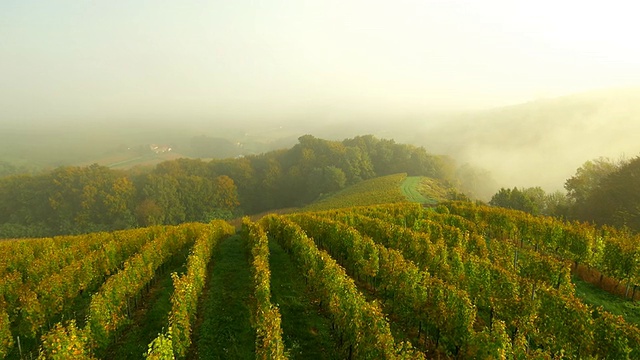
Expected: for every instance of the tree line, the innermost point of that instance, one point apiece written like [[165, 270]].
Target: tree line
[[73, 200], [602, 191]]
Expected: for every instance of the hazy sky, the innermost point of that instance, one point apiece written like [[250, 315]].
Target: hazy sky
[[186, 59]]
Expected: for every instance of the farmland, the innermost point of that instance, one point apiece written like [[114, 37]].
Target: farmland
[[379, 281]]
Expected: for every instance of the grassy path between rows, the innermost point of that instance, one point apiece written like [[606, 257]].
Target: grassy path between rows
[[593, 295], [225, 330], [306, 332]]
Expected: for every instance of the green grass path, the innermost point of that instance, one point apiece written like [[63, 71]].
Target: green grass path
[[306, 332], [410, 187], [592, 295], [225, 331]]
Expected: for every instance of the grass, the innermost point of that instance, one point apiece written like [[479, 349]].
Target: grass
[[423, 190], [225, 331], [592, 295], [380, 190], [410, 189], [306, 332]]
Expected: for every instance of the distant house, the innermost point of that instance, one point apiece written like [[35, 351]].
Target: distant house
[[159, 149]]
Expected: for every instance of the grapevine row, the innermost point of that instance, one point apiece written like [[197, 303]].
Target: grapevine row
[[38, 258], [28, 262], [363, 328], [50, 296], [505, 296], [610, 251], [31, 305], [187, 289], [266, 316], [423, 302], [109, 307], [442, 241]]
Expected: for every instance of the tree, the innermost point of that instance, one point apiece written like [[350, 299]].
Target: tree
[[326, 180], [514, 199], [615, 200], [556, 204], [588, 177], [162, 190], [533, 200]]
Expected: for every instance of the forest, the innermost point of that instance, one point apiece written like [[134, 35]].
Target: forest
[[82, 199], [602, 191], [74, 200]]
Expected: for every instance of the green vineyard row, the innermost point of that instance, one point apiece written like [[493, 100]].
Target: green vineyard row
[[176, 341], [266, 316]]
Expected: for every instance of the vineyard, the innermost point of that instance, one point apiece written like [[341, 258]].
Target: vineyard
[[380, 190], [394, 281]]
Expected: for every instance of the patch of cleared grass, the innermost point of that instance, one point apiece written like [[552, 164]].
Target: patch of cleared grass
[[592, 295]]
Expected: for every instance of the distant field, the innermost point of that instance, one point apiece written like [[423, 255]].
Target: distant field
[[151, 159], [128, 159]]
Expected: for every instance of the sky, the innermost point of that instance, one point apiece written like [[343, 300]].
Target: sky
[[195, 60]]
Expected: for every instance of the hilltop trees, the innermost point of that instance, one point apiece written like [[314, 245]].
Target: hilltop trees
[[588, 178], [602, 191], [72, 200], [68, 200], [613, 199], [533, 200], [315, 166]]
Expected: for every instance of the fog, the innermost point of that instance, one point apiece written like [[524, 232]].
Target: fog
[[528, 90]]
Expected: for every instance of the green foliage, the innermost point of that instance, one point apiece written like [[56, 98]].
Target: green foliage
[[459, 280], [505, 278], [7, 169], [161, 348], [6, 340], [187, 290], [226, 331], [533, 200], [266, 316], [65, 342], [362, 324], [327, 179], [108, 309], [588, 178], [515, 199], [307, 332], [611, 200], [73, 200]]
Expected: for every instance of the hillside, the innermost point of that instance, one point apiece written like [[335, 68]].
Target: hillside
[[381, 190], [391, 281], [81, 199], [389, 189], [539, 143]]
